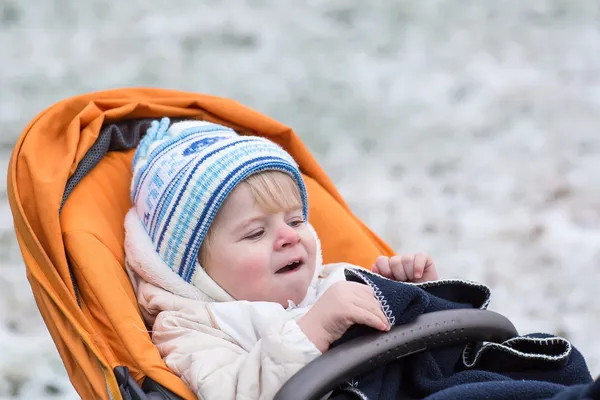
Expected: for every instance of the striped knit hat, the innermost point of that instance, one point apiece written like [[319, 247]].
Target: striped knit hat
[[182, 174]]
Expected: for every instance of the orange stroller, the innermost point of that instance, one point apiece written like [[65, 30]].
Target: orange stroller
[[68, 183]]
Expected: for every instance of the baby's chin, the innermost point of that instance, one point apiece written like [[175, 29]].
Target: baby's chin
[[298, 290]]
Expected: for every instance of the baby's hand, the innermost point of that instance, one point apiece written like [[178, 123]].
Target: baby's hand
[[411, 267], [341, 306]]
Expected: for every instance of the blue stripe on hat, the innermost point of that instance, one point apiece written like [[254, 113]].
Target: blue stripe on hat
[[190, 175], [165, 201]]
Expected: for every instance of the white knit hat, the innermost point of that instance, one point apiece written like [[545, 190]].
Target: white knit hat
[[182, 174]]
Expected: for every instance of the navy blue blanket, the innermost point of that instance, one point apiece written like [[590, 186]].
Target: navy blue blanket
[[536, 366]]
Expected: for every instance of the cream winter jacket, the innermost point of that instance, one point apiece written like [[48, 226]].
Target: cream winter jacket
[[221, 348]]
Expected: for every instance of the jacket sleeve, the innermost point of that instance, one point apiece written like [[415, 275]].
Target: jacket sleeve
[[215, 367]]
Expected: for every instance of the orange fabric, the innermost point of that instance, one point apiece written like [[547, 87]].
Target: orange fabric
[[107, 329]]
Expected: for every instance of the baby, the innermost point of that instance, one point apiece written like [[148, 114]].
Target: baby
[[227, 270]]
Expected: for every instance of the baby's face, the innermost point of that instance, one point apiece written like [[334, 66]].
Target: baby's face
[[259, 256]]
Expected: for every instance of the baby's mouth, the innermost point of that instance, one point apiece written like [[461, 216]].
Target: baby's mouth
[[293, 266]]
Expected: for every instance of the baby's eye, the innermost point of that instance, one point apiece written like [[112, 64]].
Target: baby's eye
[[296, 222], [255, 235]]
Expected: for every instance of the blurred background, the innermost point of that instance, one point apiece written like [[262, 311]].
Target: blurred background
[[466, 129]]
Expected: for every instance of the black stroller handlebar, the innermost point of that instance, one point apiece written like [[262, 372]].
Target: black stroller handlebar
[[360, 355]]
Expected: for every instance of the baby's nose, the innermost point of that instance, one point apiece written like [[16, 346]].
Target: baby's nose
[[286, 236]]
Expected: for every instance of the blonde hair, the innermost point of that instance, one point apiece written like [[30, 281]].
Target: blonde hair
[[273, 191]]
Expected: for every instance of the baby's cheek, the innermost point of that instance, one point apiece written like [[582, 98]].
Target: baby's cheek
[[251, 264], [252, 274]]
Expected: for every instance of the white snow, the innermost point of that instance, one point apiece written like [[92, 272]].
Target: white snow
[[465, 129]]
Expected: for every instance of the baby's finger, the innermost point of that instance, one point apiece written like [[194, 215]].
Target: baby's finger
[[397, 269], [375, 270], [419, 268], [368, 300], [366, 316], [408, 262], [430, 272], [383, 266], [377, 310], [373, 321]]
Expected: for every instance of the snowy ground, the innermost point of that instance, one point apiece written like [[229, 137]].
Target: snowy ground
[[467, 129]]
